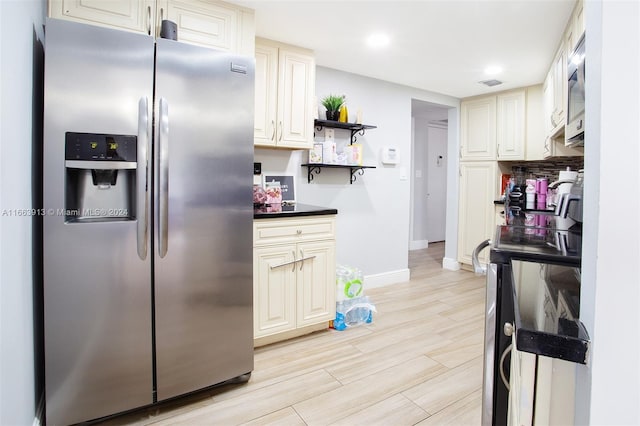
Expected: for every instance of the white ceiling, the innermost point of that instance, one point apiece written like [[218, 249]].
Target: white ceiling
[[437, 45]]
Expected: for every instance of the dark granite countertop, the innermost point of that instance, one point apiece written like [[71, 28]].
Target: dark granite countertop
[[546, 312], [277, 211]]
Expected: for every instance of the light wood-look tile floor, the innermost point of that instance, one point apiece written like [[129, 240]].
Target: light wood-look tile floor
[[418, 363]]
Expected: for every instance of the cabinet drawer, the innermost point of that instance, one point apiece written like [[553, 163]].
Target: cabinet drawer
[[273, 231]]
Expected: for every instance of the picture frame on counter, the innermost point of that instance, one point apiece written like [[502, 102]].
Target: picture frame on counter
[[287, 185]]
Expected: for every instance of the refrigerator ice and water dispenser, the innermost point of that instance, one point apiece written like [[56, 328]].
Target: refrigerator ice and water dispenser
[[100, 178]]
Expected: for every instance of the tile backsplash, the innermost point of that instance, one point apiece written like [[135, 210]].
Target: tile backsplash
[[542, 169]]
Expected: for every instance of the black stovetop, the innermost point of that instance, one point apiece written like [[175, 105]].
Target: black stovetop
[[544, 238]]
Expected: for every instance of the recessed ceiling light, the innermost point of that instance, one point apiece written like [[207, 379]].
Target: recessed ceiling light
[[378, 40], [493, 70]]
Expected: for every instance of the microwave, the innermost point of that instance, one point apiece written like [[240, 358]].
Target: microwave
[[574, 128]]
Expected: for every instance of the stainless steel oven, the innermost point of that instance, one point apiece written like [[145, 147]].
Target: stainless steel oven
[[574, 129], [497, 344], [551, 243]]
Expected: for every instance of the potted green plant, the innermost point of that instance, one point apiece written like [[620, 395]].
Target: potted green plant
[[333, 103]]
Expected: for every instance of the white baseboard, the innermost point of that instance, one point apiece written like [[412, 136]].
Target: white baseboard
[[386, 278], [450, 264], [418, 244]]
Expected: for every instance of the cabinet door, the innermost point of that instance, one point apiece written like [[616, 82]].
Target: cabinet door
[[205, 23], [547, 112], [264, 126], [555, 392], [534, 124], [131, 15], [510, 135], [478, 190], [296, 89], [274, 292], [578, 21], [559, 87], [316, 283], [478, 129], [521, 387]]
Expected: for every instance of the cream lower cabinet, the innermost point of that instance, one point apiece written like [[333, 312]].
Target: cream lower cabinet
[[210, 23], [477, 218], [293, 276], [555, 392], [541, 390], [284, 96], [521, 387]]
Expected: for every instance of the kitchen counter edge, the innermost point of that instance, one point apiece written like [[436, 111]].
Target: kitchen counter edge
[[297, 210]]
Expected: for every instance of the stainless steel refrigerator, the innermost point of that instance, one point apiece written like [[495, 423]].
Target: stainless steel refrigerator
[[147, 241]]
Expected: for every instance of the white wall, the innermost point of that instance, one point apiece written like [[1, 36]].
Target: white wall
[[609, 387], [373, 212], [19, 21]]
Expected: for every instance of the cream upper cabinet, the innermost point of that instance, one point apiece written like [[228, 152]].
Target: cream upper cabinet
[[494, 127], [511, 125], [477, 216], [131, 15], [535, 127], [294, 284], [266, 97], [578, 21], [554, 145], [547, 102], [284, 99], [478, 129], [559, 88], [213, 24], [575, 27], [209, 23]]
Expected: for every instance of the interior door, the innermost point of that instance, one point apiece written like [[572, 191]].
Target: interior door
[[203, 219], [436, 206]]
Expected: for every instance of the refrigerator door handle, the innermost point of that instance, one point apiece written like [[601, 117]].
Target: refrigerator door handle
[[163, 177], [142, 177]]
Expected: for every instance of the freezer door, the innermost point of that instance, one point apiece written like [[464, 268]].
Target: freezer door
[[97, 289], [204, 212]]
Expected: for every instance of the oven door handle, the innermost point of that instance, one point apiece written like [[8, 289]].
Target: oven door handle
[[478, 268]]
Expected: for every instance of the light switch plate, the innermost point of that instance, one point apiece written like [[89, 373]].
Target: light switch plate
[[329, 135]]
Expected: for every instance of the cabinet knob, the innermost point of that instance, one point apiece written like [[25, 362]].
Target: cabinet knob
[[299, 231]]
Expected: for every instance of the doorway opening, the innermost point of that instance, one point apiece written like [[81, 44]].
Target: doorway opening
[[429, 149]]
